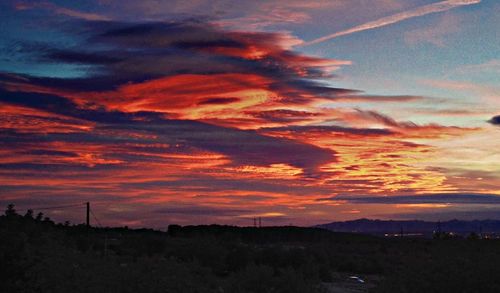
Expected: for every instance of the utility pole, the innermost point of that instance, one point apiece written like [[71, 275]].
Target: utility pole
[[88, 214], [260, 222]]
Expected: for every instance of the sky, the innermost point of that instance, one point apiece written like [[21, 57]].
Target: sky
[[297, 112]]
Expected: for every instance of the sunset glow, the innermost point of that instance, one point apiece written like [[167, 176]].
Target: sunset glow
[[298, 112]]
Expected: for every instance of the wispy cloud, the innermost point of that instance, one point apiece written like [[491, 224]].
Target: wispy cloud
[[491, 66], [62, 11], [435, 33], [384, 21], [485, 92], [442, 198]]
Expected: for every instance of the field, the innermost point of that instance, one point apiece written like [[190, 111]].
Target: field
[[38, 255]]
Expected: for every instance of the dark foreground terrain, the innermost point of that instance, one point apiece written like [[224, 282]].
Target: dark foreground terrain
[[37, 255]]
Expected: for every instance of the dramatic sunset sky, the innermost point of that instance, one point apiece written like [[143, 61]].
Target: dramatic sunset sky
[[301, 112]]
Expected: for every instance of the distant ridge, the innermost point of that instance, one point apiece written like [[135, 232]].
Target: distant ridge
[[413, 226]]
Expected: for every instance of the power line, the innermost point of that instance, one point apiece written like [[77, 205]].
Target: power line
[[57, 207], [71, 206], [82, 204], [95, 218]]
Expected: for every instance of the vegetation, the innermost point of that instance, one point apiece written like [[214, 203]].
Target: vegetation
[[37, 255]]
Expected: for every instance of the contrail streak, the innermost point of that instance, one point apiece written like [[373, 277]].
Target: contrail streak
[[419, 11]]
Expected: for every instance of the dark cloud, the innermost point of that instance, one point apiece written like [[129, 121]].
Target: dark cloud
[[283, 115], [495, 120], [378, 98], [203, 183], [410, 128], [197, 210], [68, 56], [187, 34], [385, 120], [146, 60], [244, 147], [218, 101], [61, 105], [332, 129], [440, 198], [117, 53]]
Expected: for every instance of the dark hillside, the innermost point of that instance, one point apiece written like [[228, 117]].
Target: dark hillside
[[425, 228]]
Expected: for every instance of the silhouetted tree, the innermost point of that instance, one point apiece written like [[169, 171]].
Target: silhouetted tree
[[47, 220], [39, 216], [10, 211], [29, 214]]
